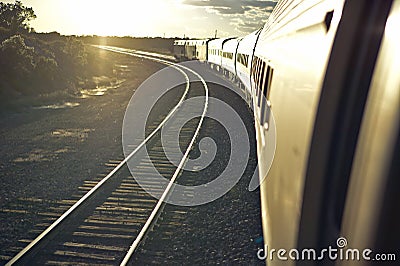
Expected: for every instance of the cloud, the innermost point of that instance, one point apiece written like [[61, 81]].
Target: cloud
[[244, 15], [230, 7]]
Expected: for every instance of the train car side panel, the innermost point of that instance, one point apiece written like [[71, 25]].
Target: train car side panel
[[228, 59], [244, 58], [289, 68]]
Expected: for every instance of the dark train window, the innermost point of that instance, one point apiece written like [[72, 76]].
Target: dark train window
[[243, 59], [257, 71], [260, 82], [271, 74], [252, 68], [253, 72], [265, 112], [227, 55], [257, 77]]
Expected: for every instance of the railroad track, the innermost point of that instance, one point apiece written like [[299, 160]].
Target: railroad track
[[107, 224]]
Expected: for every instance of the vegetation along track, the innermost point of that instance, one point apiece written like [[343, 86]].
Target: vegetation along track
[[116, 212]]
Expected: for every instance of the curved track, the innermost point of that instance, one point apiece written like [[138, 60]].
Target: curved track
[[116, 212]]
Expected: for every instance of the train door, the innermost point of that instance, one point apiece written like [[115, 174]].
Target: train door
[[337, 126], [371, 218]]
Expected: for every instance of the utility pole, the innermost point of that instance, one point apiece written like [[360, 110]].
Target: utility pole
[[216, 31]]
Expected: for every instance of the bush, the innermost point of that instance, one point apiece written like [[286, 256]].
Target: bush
[[42, 67], [4, 34], [16, 56]]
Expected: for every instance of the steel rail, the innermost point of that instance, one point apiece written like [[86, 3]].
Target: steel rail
[[160, 202], [115, 170], [156, 209]]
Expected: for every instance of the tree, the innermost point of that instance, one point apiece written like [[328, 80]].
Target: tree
[[16, 17], [16, 56]]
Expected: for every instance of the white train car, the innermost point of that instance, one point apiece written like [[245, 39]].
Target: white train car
[[287, 74], [329, 75], [228, 60], [179, 49], [244, 57], [215, 52], [202, 49], [328, 72], [190, 49]]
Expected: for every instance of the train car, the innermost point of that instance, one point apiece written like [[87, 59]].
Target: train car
[[244, 57], [324, 84], [215, 52], [288, 70], [179, 49], [190, 49], [328, 72], [228, 60], [202, 49]]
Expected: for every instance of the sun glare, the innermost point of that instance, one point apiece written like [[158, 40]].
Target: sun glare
[[118, 17]]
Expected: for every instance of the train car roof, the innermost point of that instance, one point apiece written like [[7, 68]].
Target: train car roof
[[219, 42], [246, 44], [230, 45], [192, 41]]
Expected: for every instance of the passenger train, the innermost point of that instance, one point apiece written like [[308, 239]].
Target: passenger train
[[329, 72]]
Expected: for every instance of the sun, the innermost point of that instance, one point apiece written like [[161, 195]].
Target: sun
[[118, 17]]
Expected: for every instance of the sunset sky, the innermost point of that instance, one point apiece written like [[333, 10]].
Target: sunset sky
[[174, 18]]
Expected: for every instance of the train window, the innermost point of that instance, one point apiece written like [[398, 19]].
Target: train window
[[261, 79], [260, 82], [256, 71], [259, 64], [243, 59], [265, 112], [252, 69], [264, 90], [271, 74], [257, 75]]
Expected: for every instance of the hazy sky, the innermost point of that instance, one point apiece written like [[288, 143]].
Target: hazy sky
[[174, 18]]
